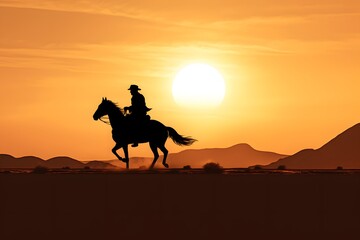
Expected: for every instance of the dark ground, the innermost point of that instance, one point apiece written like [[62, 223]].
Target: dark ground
[[177, 204]]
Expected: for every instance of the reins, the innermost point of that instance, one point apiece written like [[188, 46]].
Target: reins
[[104, 121]]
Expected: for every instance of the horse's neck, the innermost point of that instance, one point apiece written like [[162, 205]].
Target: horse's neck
[[116, 118]]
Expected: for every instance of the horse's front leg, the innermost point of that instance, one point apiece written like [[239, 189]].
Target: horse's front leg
[[117, 147], [126, 152]]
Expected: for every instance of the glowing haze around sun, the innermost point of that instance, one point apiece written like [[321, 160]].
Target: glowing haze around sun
[[198, 85]]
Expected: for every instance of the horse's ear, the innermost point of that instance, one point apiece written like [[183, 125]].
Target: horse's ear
[[105, 99]]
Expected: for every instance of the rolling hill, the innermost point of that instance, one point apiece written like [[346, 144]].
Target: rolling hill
[[8, 161], [237, 156], [59, 162]]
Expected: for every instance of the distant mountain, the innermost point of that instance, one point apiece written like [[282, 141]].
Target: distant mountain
[[237, 156], [343, 150], [60, 162], [8, 161], [240, 155]]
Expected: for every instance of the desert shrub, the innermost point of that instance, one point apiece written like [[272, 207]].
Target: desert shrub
[[187, 167], [40, 169], [258, 167], [87, 168], [281, 167], [212, 167], [65, 168], [339, 168]]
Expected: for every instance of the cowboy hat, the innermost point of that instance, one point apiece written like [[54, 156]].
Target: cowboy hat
[[134, 87]]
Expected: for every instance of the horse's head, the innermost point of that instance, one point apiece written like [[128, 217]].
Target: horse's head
[[102, 110]]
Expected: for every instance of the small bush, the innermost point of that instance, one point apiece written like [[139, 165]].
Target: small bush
[[212, 167], [187, 167], [281, 167], [65, 168], [339, 168], [40, 169], [87, 168], [258, 167]]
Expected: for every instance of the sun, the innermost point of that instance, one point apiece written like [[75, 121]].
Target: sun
[[198, 85]]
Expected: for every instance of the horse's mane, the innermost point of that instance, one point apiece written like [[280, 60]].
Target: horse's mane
[[115, 105]]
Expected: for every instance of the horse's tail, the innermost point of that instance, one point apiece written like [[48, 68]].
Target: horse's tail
[[178, 139]]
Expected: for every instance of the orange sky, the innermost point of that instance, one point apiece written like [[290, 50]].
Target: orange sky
[[291, 70]]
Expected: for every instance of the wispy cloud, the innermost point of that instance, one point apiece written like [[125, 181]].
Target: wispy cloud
[[189, 11], [96, 36], [110, 57], [51, 23]]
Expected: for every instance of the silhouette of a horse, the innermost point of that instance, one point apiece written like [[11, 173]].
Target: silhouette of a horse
[[154, 132]]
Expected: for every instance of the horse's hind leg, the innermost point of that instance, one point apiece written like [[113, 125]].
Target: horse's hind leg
[[165, 151], [156, 154]]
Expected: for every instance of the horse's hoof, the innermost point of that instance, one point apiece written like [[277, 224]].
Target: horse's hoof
[[166, 165]]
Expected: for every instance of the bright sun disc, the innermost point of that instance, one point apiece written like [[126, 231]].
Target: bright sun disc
[[198, 85]]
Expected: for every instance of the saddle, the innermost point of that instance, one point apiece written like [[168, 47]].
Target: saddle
[[137, 125]]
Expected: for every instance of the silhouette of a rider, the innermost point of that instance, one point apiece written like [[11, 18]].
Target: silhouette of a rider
[[138, 110]]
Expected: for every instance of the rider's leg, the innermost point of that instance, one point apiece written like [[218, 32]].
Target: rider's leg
[[136, 135]]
